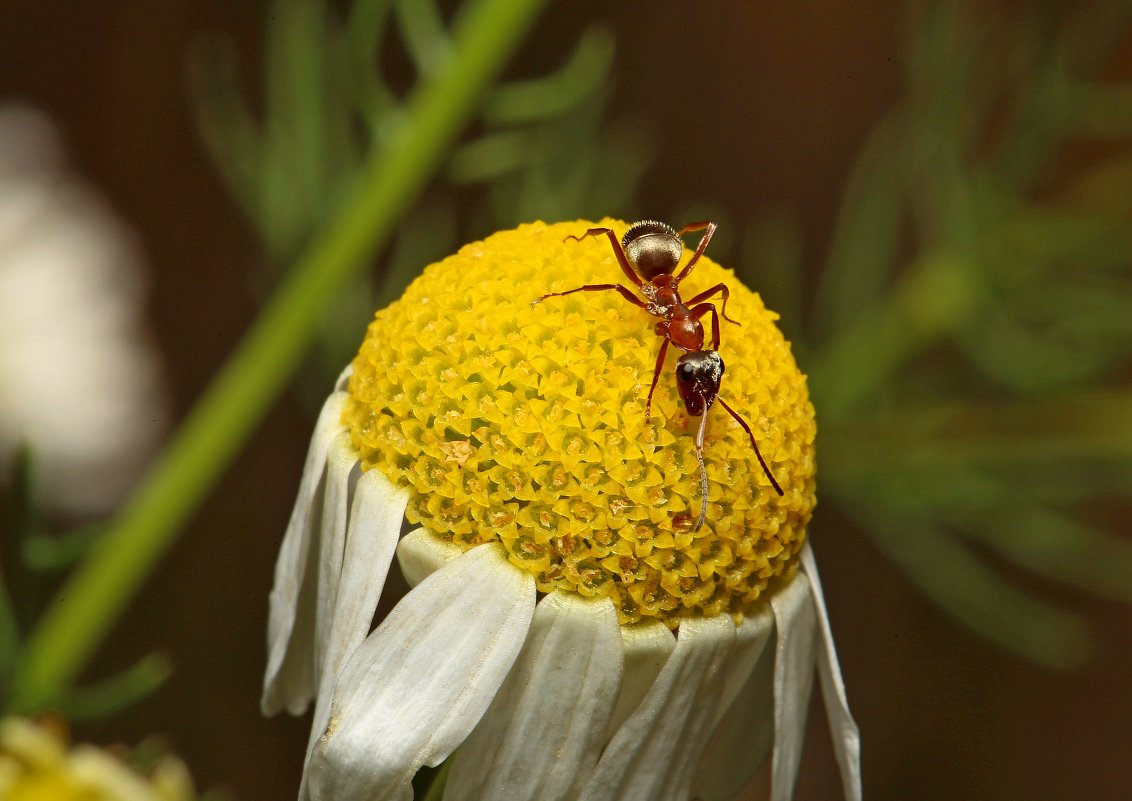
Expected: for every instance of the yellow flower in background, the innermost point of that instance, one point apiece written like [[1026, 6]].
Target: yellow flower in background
[[569, 630], [38, 764]]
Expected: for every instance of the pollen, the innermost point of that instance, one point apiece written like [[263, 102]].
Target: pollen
[[526, 424]]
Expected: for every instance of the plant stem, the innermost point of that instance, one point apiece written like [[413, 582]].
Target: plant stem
[[486, 33]]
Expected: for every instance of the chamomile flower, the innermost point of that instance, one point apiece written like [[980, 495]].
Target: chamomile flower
[[38, 764], [569, 634], [78, 383]]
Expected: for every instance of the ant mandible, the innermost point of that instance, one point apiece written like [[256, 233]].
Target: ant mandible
[[648, 254]]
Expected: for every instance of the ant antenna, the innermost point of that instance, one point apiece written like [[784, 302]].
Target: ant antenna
[[703, 471]]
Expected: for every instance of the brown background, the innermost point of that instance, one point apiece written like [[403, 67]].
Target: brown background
[[763, 106]]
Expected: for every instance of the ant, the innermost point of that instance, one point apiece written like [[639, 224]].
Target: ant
[[648, 254]]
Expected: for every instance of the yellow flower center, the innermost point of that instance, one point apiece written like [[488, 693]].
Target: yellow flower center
[[526, 424]]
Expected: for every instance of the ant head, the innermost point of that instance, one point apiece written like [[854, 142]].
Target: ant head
[[653, 248], [698, 375]]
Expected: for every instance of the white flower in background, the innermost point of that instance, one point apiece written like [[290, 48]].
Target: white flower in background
[[78, 381], [569, 634]]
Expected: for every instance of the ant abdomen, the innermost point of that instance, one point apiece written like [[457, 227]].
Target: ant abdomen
[[685, 333], [653, 248]]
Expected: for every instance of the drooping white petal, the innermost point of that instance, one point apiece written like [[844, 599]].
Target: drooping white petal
[[796, 622], [545, 729], [411, 693], [751, 638], [375, 523], [289, 680], [745, 733], [420, 554], [846, 737], [650, 758], [341, 462], [647, 647]]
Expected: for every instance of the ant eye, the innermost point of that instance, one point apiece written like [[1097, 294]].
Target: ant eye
[[685, 372]]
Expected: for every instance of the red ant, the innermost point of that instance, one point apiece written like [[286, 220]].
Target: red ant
[[649, 254]]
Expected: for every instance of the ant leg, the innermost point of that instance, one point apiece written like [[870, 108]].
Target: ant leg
[[707, 293], [618, 251], [700, 311], [656, 377], [624, 290], [754, 445], [709, 229]]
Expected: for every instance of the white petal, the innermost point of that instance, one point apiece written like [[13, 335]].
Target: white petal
[[745, 734], [545, 730], [647, 647], [652, 755], [411, 693], [375, 523], [420, 554], [340, 465], [796, 621], [289, 680], [751, 638], [344, 378], [846, 738]]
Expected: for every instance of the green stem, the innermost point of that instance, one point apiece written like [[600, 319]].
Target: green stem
[[86, 608]]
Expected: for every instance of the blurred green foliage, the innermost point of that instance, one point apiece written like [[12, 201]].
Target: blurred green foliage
[[328, 104], [329, 219], [970, 341], [970, 332], [39, 555]]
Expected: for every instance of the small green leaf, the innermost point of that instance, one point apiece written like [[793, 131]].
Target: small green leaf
[[227, 128], [551, 96], [490, 157], [118, 692], [49, 553], [424, 33], [1058, 547], [966, 588], [866, 235], [364, 31]]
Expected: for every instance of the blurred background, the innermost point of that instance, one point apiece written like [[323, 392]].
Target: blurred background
[[936, 196]]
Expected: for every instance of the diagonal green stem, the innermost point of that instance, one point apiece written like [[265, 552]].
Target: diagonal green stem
[[485, 34]]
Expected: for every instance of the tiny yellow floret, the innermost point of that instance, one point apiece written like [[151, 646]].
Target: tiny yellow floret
[[526, 424]]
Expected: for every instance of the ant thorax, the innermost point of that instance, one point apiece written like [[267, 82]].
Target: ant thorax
[[659, 305]]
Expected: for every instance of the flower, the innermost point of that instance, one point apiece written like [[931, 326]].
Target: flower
[[568, 629], [36, 764], [78, 383]]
